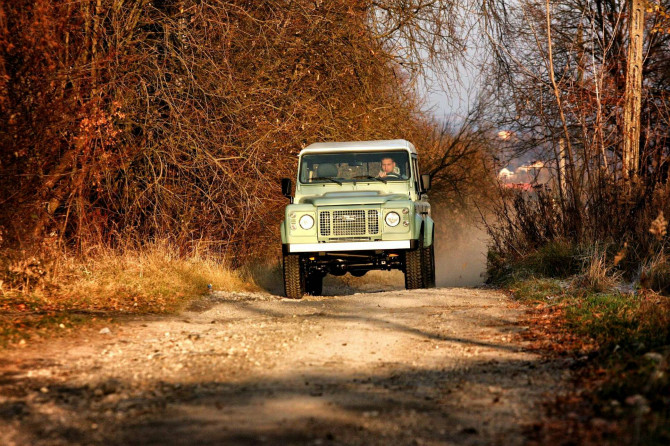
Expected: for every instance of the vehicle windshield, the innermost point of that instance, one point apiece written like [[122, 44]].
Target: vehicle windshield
[[355, 166]]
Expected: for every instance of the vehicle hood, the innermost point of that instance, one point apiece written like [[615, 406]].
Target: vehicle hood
[[345, 198]]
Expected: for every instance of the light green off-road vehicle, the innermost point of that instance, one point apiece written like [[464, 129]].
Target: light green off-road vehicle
[[358, 206]]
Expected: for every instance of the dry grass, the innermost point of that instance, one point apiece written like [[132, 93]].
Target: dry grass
[[655, 274], [38, 294], [153, 280], [596, 276]]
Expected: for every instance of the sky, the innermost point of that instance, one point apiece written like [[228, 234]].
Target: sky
[[453, 95]]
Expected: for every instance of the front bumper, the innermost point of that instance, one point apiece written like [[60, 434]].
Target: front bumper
[[349, 246]]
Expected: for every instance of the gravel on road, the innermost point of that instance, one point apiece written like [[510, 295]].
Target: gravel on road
[[422, 367]]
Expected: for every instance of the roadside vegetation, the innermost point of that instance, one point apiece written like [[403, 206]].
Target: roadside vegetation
[[46, 296], [613, 333], [123, 121], [587, 247]]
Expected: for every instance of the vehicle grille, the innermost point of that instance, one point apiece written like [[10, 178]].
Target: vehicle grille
[[324, 223], [348, 223], [373, 222]]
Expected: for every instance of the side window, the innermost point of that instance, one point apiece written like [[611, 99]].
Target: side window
[[416, 176]]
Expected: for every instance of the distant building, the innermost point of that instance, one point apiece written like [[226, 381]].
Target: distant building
[[535, 165], [521, 186], [505, 173], [530, 176]]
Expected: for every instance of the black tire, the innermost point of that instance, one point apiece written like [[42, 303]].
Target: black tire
[[428, 264], [413, 269], [315, 284], [358, 272], [294, 278]]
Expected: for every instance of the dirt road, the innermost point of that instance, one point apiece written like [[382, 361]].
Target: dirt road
[[441, 366]]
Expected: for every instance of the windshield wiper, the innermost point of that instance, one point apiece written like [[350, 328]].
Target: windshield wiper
[[327, 178], [368, 177]]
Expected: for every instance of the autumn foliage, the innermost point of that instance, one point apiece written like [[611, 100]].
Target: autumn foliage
[[125, 121]]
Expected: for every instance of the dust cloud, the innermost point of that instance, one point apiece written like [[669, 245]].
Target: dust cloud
[[460, 259], [460, 251]]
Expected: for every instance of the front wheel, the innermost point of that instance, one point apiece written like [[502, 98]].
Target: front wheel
[[413, 269], [428, 264], [294, 277]]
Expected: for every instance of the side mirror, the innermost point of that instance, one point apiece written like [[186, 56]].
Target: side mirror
[[286, 187], [425, 182]]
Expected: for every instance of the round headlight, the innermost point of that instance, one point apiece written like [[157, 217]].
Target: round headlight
[[392, 219], [306, 222]]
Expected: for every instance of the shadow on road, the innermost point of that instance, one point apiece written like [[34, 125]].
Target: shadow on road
[[342, 312], [403, 406]]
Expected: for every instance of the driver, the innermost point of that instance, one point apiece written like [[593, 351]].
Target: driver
[[389, 168]]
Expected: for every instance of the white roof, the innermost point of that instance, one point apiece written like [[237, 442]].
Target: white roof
[[352, 146], [505, 172]]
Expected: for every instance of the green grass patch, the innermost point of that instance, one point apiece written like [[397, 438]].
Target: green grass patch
[[537, 290], [558, 259], [614, 321], [17, 328], [621, 321]]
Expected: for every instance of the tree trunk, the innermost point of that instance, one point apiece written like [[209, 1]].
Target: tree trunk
[[633, 95]]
